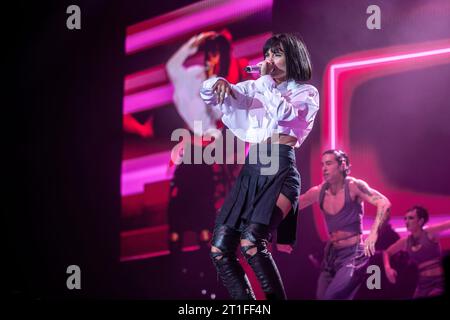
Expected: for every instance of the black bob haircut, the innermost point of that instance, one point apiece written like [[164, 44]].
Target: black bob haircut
[[298, 62]]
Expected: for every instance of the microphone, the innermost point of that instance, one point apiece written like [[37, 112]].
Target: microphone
[[253, 69]]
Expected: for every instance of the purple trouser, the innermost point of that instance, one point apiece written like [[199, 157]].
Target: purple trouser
[[429, 286], [343, 271]]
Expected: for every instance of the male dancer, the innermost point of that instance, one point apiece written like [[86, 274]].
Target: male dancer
[[340, 197]]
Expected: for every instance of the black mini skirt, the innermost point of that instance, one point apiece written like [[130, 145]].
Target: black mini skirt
[[268, 171]]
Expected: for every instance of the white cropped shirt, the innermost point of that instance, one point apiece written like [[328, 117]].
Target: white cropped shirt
[[187, 82], [262, 108]]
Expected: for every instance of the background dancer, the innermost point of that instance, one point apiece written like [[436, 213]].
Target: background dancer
[[424, 250], [340, 197]]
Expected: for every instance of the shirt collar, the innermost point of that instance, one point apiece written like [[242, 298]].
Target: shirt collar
[[282, 86], [287, 85]]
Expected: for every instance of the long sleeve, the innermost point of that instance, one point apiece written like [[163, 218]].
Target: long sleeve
[[187, 83], [261, 108], [175, 66], [289, 105], [281, 107], [241, 90]]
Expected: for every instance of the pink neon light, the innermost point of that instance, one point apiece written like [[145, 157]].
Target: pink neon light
[[250, 46], [190, 248], [153, 98], [332, 108], [148, 99], [143, 231], [155, 254], [209, 14], [398, 224], [245, 48], [145, 256], [361, 66], [145, 78], [136, 173], [162, 95], [336, 68], [393, 58]]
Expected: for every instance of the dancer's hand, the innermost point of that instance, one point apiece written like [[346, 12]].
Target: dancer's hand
[[369, 244], [391, 274], [222, 88], [284, 248]]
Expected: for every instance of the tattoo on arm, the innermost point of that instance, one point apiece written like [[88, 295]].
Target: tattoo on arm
[[375, 198], [383, 208], [382, 213], [363, 189]]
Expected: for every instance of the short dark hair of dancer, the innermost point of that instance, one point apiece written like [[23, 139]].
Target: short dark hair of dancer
[[421, 213], [219, 44], [341, 157], [298, 61]]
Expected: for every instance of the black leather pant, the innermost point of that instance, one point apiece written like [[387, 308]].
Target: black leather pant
[[230, 271]]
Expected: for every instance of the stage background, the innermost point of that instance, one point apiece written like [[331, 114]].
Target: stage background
[[65, 201]]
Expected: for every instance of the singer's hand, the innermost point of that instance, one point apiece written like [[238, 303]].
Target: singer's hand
[[266, 67], [222, 88]]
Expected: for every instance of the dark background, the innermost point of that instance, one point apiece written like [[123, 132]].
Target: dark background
[[63, 131]]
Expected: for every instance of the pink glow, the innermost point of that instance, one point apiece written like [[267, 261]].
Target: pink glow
[[255, 61], [398, 224], [245, 48], [148, 99], [341, 77], [332, 108], [145, 78], [196, 18], [408, 56], [145, 256], [190, 248], [250, 46], [156, 254], [140, 171], [335, 69], [143, 231], [162, 95]]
